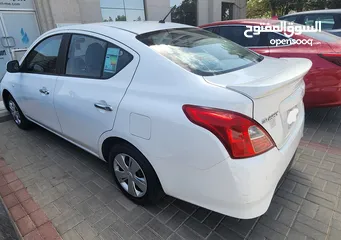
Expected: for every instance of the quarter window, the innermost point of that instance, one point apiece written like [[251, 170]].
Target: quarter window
[[94, 58], [43, 58]]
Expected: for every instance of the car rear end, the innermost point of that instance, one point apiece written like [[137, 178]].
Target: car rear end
[[260, 145]]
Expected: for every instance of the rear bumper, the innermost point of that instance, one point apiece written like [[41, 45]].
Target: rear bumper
[[241, 188]]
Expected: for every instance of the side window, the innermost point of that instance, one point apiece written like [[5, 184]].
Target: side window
[[236, 34], [268, 36], [94, 58], [289, 18], [43, 58], [327, 21]]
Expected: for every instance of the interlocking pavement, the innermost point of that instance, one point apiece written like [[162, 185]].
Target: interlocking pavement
[[4, 114], [78, 194]]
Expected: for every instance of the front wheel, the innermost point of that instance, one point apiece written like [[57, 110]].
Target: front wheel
[[20, 120], [134, 175]]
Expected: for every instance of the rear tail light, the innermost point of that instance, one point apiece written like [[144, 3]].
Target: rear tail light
[[332, 57], [241, 136]]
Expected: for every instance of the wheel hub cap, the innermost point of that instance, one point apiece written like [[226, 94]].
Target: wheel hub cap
[[14, 111], [130, 175]]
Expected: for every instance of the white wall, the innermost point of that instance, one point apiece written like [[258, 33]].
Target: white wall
[[90, 11], [210, 10], [157, 9], [65, 11], [203, 13]]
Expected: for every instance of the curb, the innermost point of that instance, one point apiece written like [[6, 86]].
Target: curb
[[29, 220], [12, 222], [4, 116]]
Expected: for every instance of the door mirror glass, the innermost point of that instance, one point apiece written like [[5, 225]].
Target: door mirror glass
[[38, 69], [13, 66]]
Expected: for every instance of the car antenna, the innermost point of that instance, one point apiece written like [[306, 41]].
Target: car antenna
[[163, 20]]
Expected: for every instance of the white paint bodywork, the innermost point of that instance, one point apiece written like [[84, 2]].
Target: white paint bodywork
[[147, 98]]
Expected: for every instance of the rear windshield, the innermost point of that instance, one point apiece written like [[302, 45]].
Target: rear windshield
[[323, 36], [199, 51]]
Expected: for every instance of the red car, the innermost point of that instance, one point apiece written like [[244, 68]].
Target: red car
[[323, 81]]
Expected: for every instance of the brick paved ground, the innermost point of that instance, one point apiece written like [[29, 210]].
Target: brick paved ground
[[78, 194], [7, 231]]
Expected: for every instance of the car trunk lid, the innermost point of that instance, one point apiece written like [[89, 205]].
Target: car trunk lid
[[276, 88]]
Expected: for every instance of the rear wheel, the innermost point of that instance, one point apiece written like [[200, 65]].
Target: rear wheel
[[134, 175], [20, 120]]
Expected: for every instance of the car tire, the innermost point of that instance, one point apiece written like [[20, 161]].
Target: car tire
[[134, 175], [19, 118]]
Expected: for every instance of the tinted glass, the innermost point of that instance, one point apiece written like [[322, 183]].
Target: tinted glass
[[327, 20], [236, 34], [95, 58], [320, 36], [323, 36], [289, 18], [86, 56], [215, 30], [271, 35], [200, 51], [43, 58]]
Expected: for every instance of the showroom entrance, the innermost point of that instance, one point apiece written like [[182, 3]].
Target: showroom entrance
[[18, 28]]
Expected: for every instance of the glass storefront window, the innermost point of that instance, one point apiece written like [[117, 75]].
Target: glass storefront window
[[135, 15], [122, 10], [110, 15], [185, 12], [112, 4]]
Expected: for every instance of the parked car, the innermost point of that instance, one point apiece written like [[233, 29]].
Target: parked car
[[330, 19], [323, 80], [173, 109]]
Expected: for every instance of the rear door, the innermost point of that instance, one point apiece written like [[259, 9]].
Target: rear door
[[98, 70], [283, 49]]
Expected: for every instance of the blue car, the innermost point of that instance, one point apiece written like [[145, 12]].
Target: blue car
[[330, 19]]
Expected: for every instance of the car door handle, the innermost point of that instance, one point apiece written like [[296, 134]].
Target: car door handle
[[44, 91], [103, 106]]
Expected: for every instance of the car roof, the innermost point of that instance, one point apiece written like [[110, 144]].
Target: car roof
[[316, 12], [244, 21], [136, 27]]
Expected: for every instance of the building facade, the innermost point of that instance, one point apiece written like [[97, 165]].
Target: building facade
[[52, 13], [22, 21]]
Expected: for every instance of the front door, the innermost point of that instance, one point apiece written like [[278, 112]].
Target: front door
[[38, 79], [97, 75]]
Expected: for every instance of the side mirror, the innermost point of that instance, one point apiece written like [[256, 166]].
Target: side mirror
[[13, 66]]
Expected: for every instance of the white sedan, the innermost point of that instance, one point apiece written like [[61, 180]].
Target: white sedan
[[173, 109]]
